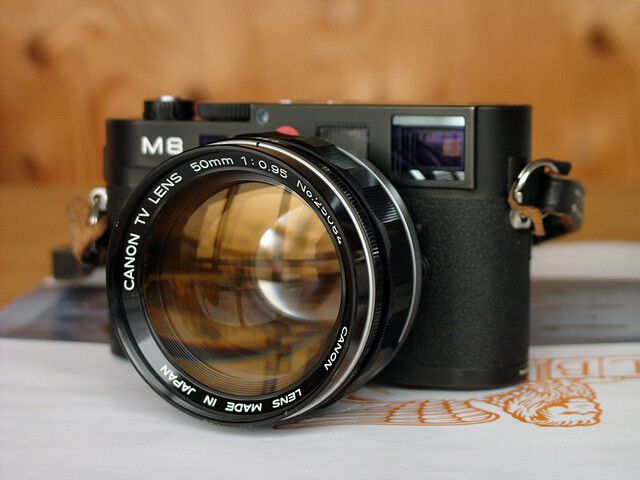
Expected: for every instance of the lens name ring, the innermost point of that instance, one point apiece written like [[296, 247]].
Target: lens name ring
[[331, 352]]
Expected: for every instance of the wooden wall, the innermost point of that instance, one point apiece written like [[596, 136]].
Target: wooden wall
[[67, 65]]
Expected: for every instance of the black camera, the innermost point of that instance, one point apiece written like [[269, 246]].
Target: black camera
[[267, 259]]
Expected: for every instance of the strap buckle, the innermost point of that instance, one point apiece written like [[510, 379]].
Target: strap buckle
[[88, 226], [545, 198], [521, 216]]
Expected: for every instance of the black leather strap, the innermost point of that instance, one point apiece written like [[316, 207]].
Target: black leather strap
[[544, 198]]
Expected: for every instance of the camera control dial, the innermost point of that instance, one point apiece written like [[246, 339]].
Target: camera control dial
[[168, 107], [225, 112]]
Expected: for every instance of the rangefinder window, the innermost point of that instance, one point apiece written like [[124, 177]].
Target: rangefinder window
[[428, 147]]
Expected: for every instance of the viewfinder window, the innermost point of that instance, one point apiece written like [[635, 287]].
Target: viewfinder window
[[428, 147]]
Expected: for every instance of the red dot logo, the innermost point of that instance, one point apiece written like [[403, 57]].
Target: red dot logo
[[288, 130]]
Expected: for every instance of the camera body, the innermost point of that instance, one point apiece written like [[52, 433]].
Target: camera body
[[453, 167]]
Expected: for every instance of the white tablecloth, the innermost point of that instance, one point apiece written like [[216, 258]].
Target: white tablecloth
[[71, 410]]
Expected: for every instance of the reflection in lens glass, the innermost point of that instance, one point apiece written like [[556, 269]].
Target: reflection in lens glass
[[242, 286]]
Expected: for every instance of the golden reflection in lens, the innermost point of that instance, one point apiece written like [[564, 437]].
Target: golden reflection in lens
[[244, 287]]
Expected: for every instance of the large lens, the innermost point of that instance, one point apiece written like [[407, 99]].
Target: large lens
[[256, 279], [244, 285]]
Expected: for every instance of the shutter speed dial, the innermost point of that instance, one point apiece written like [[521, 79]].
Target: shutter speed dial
[[168, 107]]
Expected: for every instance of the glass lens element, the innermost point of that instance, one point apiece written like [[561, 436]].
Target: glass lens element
[[243, 286]]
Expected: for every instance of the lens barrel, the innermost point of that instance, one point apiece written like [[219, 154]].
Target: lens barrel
[[254, 280]]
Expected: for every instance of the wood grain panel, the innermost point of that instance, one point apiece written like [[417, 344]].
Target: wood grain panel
[[67, 65]]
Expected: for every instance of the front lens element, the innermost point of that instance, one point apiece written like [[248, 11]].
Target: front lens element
[[243, 285]]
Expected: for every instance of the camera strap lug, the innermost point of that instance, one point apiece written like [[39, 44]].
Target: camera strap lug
[[98, 200], [88, 225], [544, 198]]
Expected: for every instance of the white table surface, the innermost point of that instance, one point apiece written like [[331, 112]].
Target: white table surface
[[71, 410]]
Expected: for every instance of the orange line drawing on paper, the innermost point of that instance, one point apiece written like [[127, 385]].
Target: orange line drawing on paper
[[559, 393]]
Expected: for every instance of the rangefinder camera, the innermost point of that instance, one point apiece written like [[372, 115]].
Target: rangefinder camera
[[267, 259]]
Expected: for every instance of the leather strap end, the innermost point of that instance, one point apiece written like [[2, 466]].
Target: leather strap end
[[84, 236]]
